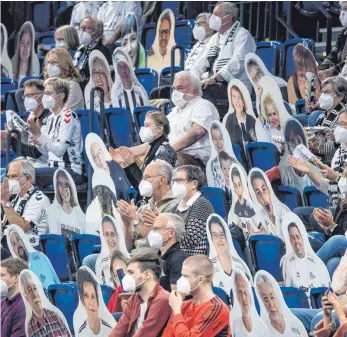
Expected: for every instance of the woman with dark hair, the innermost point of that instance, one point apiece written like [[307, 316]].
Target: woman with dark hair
[[131, 43], [25, 62]]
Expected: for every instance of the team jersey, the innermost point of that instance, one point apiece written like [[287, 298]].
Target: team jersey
[[84, 330], [62, 140], [258, 330]]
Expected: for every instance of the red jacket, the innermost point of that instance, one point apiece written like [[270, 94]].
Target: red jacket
[[114, 303], [156, 316]]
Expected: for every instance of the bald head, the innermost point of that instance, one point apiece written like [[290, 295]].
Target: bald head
[[199, 265]]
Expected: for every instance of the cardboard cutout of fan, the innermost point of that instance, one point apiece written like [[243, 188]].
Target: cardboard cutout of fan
[[222, 253], [6, 64]]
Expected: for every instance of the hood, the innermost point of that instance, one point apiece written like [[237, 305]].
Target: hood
[[5, 60], [15, 229], [94, 138]]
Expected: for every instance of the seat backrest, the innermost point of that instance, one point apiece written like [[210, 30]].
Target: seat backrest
[[266, 252], [295, 297], [7, 84], [148, 78], [107, 292], [288, 59], [271, 54], [239, 250], [10, 100], [262, 155], [184, 33], [53, 246], [173, 5], [238, 154], [82, 245], [290, 196], [316, 295], [313, 197], [41, 15], [216, 196], [65, 298], [121, 125], [222, 295], [148, 34]]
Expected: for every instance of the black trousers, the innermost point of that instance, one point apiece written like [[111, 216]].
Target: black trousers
[[217, 94]]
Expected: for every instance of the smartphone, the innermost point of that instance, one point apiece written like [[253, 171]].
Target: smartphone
[[120, 274], [311, 87]]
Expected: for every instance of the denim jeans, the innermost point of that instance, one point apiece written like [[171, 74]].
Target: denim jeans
[[311, 317], [90, 261], [332, 251]]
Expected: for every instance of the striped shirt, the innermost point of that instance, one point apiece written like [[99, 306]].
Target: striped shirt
[[13, 317]]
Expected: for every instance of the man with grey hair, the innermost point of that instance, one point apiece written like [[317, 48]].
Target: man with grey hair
[[90, 36], [26, 209], [166, 234], [190, 120], [224, 55], [155, 185]]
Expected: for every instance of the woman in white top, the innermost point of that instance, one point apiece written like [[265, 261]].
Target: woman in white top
[[25, 62], [6, 65], [59, 63]]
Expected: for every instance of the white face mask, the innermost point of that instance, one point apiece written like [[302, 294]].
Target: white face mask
[[155, 239], [30, 104], [179, 190], [343, 18], [146, 135], [178, 99], [14, 186], [84, 37], [199, 33], [48, 102], [61, 44], [343, 185], [340, 134], [146, 188], [53, 70], [184, 287], [326, 101], [215, 22], [129, 284]]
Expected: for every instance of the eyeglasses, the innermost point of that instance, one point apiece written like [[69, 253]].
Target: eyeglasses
[[62, 185], [31, 95], [98, 73], [237, 97], [219, 235], [164, 31]]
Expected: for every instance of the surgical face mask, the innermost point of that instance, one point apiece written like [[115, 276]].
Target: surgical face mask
[[179, 190], [184, 286], [215, 22], [61, 44], [343, 18], [84, 37], [48, 102], [326, 101], [199, 33], [30, 104], [178, 99], [14, 186], [146, 188], [53, 70], [129, 284], [146, 135], [340, 134], [155, 239], [343, 185]]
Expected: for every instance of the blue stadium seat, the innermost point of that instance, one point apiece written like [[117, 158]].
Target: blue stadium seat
[[140, 114], [131, 194], [7, 84], [316, 295], [47, 39], [83, 115], [173, 5], [107, 292], [3, 119], [54, 247], [148, 78], [82, 245], [290, 196], [65, 298], [288, 60], [10, 100], [300, 106], [314, 197], [121, 125], [27, 78], [148, 35], [222, 295], [262, 155], [41, 12], [271, 54], [239, 250], [266, 252], [184, 33], [287, 106], [295, 297], [256, 302], [217, 197], [238, 154]]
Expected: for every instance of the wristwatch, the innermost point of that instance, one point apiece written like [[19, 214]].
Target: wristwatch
[[136, 222], [7, 205]]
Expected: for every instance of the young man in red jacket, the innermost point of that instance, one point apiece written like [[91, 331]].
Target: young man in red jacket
[[206, 315], [147, 310]]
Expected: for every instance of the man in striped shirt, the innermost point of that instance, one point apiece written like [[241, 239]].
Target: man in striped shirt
[[205, 315]]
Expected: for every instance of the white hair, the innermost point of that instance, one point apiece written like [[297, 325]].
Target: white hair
[[193, 80], [230, 8], [163, 169], [204, 15], [176, 223], [263, 279], [26, 168]]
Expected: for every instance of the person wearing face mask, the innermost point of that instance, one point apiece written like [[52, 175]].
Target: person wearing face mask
[[193, 208], [154, 135], [62, 139], [147, 310], [25, 209], [166, 234], [190, 120], [224, 55], [90, 38], [334, 62], [156, 185], [205, 312], [66, 37], [12, 306], [59, 63]]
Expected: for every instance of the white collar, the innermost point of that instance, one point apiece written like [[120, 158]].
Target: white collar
[[190, 202]]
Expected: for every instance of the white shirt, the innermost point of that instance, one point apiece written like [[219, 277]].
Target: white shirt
[[201, 112], [195, 54], [270, 131], [239, 330], [85, 331], [274, 228], [141, 318], [292, 329], [190, 202]]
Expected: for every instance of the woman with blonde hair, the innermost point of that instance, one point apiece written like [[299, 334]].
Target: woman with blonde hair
[[66, 37], [59, 63], [25, 62]]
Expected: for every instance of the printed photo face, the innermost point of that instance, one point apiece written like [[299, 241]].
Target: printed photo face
[[237, 184], [219, 238], [98, 156], [25, 47], [270, 301], [225, 166], [255, 72], [90, 300], [110, 235], [130, 42], [32, 294], [123, 71], [164, 36], [272, 113], [18, 246], [243, 294], [64, 189], [296, 240], [99, 75], [237, 99], [117, 264], [263, 194], [217, 139]]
